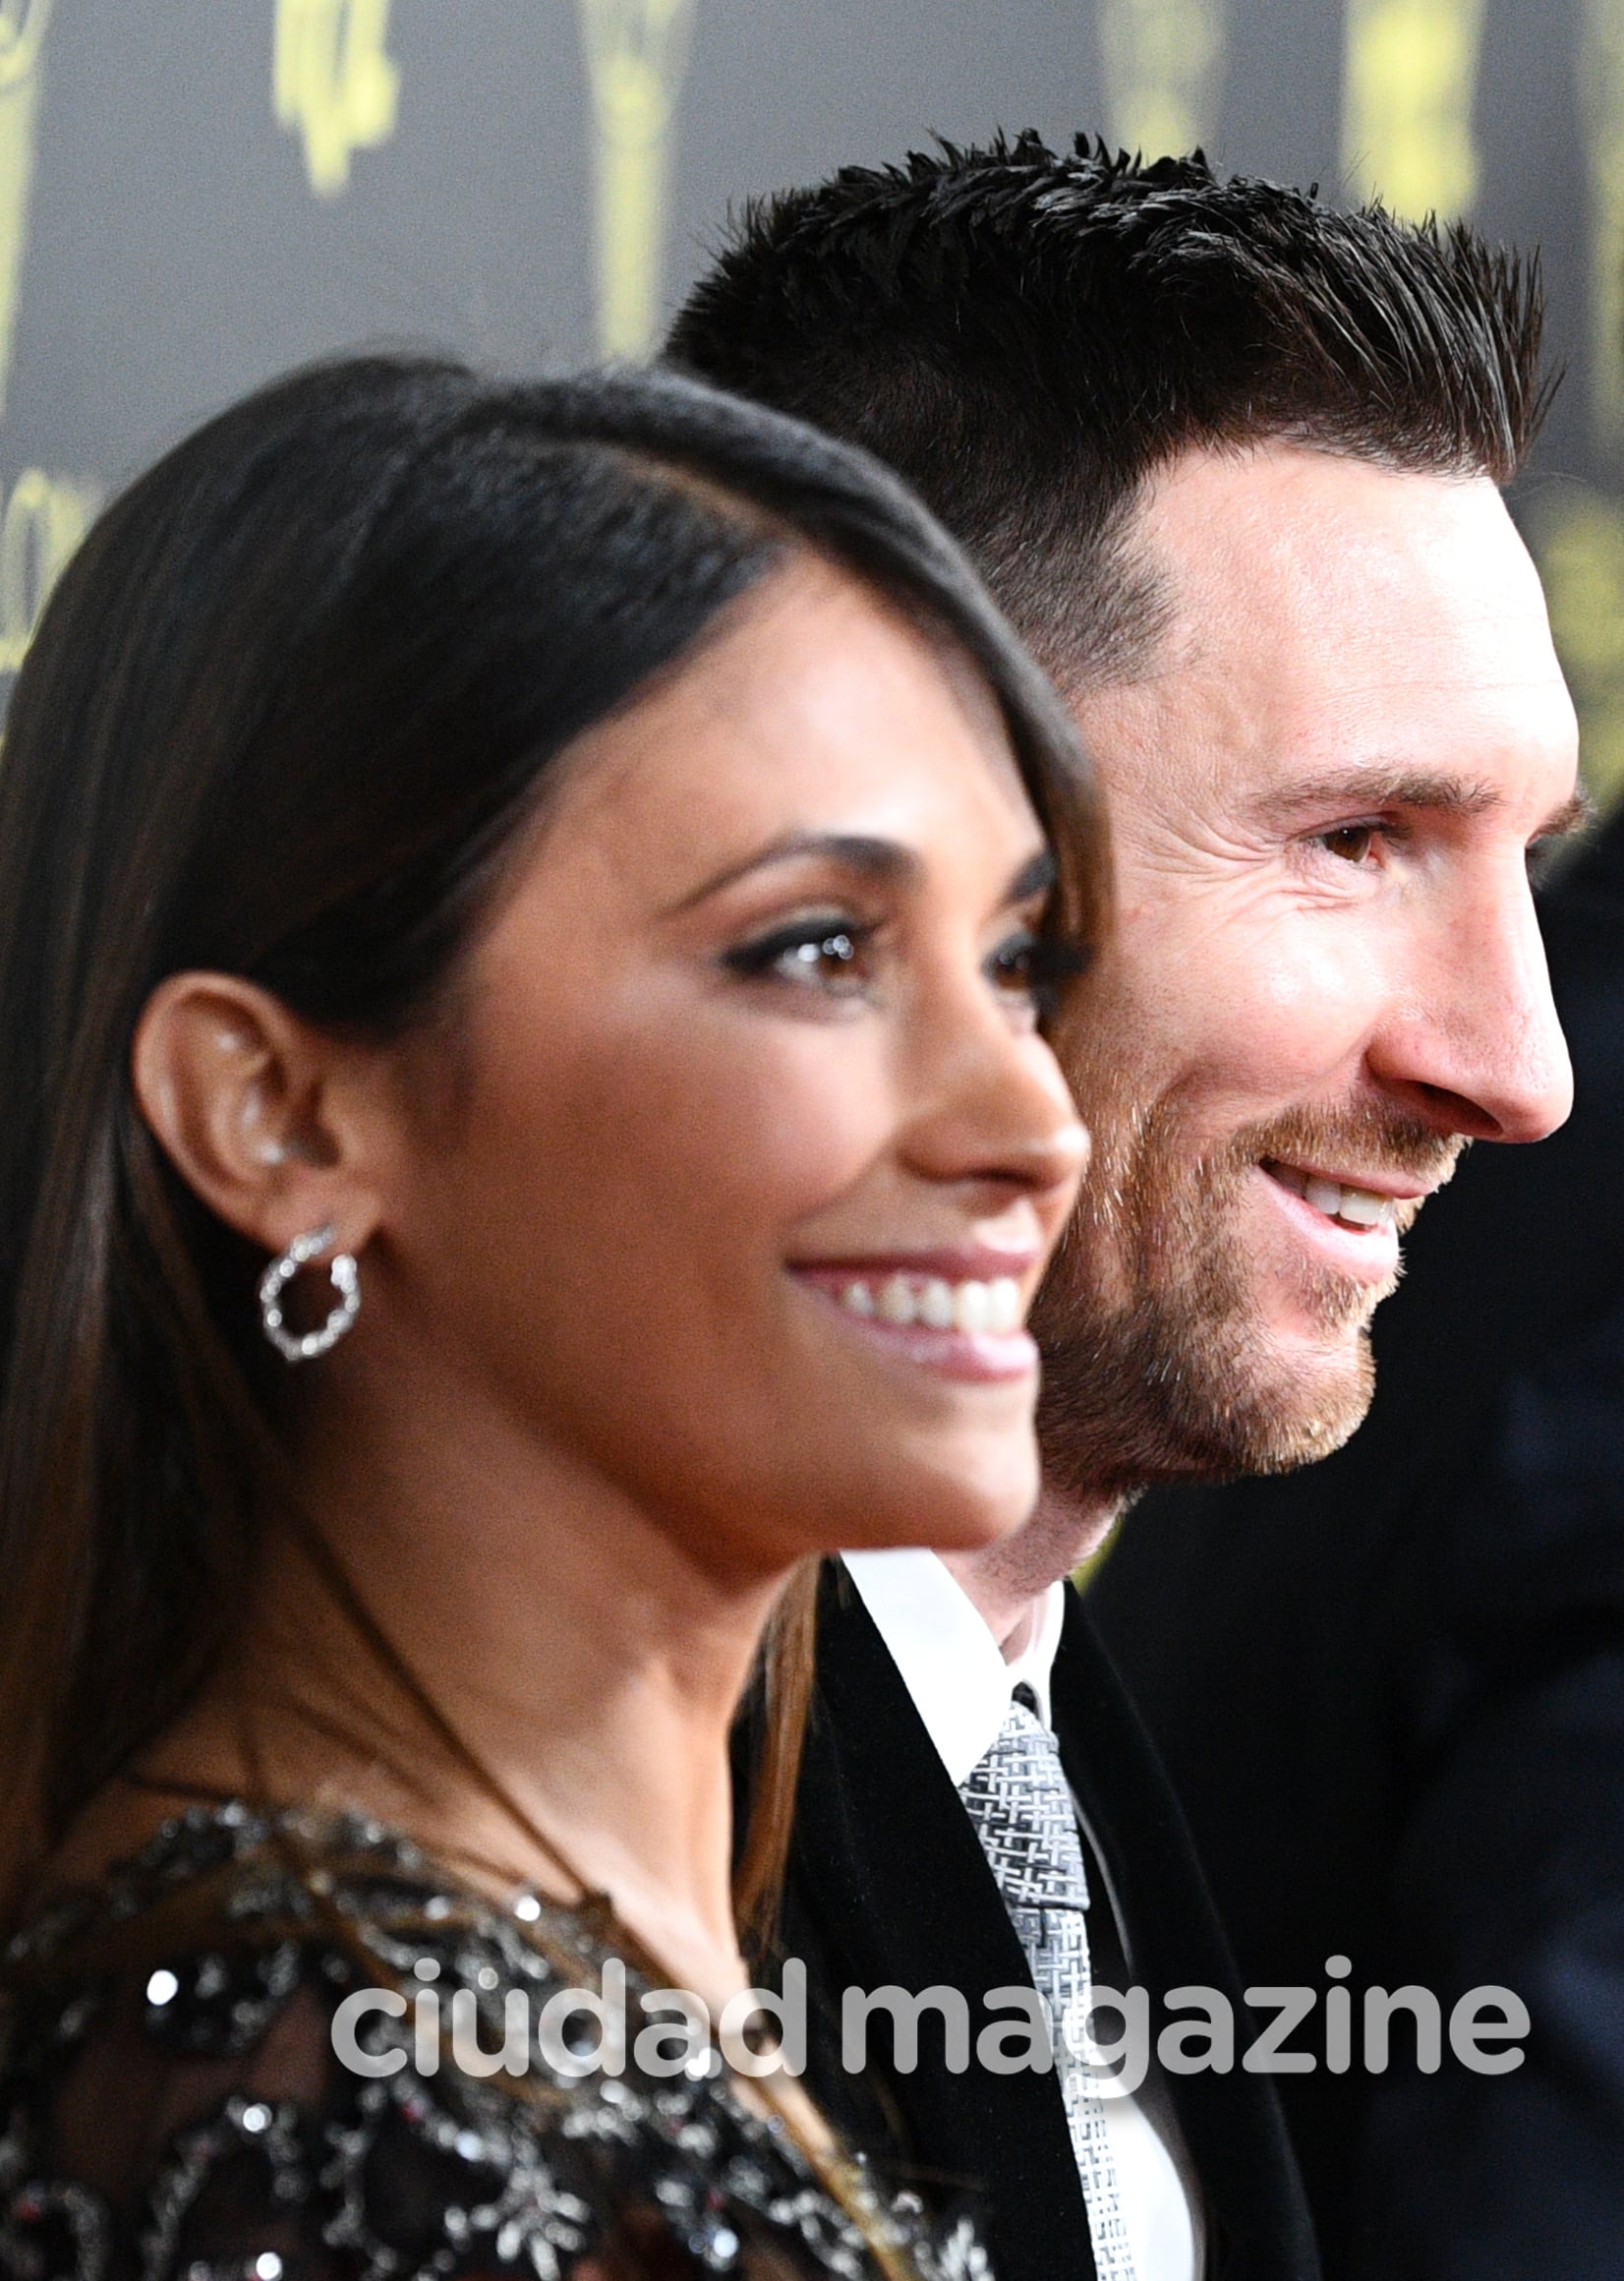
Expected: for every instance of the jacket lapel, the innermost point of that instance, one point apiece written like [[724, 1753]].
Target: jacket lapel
[[888, 1886], [1257, 2218]]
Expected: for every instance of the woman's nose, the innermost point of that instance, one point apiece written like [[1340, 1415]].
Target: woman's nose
[[1000, 1111]]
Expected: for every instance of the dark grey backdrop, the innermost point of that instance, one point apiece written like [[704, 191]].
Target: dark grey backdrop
[[173, 249]]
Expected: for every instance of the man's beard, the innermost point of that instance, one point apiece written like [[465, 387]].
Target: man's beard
[[1177, 1377]]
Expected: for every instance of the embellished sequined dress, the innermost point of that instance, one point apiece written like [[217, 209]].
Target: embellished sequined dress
[[173, 2107]]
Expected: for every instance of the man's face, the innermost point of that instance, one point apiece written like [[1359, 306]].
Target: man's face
[[1327, 975]]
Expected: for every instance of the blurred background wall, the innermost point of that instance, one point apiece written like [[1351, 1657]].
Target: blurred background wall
[[196, 193]]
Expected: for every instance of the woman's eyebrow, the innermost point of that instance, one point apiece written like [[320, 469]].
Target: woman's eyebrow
[[1036, 876], [885, 860]]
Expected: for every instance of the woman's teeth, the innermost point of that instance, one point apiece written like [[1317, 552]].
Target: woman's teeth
[[996, 1307], [1360, 1207]]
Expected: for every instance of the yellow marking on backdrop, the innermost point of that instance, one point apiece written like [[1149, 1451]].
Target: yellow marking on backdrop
[[1601, 60], [22, 39], [1578, 537], [636, 53], [1412, 78], [44, 519], [335, 82], [1164, 70]]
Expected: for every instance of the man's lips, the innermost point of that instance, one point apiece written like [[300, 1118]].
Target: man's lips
[[1359, 1251], [1359, 1200]]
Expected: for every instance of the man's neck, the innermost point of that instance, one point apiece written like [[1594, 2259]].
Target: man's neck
[[1007, 1582]]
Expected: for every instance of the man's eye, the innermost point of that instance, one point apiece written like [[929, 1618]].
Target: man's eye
[[1353, 842], [825, 951]]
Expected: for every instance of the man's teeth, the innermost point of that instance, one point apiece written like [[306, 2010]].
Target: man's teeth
[[1361, 1208], [970, 1307]]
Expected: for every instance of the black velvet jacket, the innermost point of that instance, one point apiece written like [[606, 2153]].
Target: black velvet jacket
[[888, 1885]]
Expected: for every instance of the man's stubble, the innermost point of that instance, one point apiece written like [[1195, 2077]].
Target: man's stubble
[[1157, 1363]]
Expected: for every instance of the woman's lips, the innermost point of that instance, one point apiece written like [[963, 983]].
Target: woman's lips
[[935, 1315]]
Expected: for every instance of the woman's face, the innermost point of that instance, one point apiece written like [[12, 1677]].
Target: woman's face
[[757, 1155]]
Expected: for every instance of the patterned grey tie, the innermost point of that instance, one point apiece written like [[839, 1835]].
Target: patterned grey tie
[[1021, 1806]]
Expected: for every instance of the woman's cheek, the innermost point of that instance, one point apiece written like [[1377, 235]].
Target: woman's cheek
[[799, 1120], [680, 1119]]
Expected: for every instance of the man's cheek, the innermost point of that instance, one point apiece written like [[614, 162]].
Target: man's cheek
[[1323, 960], [1286, 1031]]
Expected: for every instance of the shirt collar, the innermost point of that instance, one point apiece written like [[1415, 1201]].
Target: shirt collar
[[949, 1662]]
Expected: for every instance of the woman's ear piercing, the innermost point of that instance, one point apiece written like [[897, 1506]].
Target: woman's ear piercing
[[346, 1282]]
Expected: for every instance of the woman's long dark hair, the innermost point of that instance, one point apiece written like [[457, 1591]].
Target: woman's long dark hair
[[283, 717]]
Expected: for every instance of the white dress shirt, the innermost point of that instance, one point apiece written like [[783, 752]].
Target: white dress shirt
[[962, 1687]]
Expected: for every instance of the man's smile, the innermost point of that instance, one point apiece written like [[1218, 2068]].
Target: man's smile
[[1354, 1200], [1348, 1227]]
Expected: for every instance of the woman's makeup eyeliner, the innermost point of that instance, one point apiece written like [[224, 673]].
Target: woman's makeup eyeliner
[[828, 935]]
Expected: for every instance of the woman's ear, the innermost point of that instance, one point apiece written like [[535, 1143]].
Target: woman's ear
[[253, 1108]]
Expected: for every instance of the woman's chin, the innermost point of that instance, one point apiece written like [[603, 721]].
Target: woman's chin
[[954, 1506]]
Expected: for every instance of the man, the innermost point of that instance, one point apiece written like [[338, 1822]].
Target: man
[[1392, 1692], [1232, 463]]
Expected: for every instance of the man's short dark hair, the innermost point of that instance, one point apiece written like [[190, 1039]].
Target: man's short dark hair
[[1027, 335]]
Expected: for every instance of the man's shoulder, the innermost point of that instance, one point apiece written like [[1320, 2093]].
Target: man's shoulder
[[1115, 1768], [858, 1685], [869, 1765]]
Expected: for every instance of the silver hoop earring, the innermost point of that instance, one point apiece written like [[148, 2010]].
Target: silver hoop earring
[[346, 1282]]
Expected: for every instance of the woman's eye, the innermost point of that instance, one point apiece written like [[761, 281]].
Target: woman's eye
[[1353, 842], [830, 954], [1036, 967]]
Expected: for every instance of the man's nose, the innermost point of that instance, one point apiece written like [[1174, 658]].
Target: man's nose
[[1479, 1045]]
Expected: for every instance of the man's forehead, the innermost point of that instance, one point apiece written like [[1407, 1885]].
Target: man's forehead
[[1328, 614], [1301, 526]]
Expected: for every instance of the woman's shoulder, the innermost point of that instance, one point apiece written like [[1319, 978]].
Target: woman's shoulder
[[278, 2047]]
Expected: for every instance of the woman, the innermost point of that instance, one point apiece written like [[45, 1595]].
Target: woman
[[525, 917]]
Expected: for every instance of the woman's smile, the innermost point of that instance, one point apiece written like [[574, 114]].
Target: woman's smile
[[958, 1315]]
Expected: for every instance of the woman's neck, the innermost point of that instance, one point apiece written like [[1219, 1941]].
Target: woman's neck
[[567, 1641]]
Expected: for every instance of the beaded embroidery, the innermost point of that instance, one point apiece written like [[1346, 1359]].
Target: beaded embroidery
[[402, 2178]]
